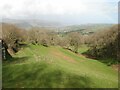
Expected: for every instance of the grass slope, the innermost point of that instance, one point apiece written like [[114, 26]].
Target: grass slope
[[51, 67]]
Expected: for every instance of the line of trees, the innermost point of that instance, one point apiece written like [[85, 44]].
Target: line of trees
[[72, 41], [104, 44], [14, 37], [42, 36]]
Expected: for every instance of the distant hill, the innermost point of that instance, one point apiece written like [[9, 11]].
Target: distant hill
[[85, 28], [82, 28], [28, 23]]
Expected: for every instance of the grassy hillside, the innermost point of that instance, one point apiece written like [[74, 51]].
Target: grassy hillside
[[39, 66]]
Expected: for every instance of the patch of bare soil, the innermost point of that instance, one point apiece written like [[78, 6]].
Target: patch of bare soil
[[88, 56], [116, 67], [78, 54], [61, 55], [82, 55]]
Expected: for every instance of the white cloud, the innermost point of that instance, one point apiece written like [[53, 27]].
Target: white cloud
[[33, 8], [15, 7]]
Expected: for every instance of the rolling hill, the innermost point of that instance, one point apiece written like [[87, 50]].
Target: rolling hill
[[37, 66], [29, 23], [82, 28]]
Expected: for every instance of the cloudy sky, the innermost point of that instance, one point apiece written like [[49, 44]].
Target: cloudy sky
[[64, 11]]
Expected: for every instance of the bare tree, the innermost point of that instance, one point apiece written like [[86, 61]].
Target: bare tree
[[42, 36], [104, 43], [75, 39], [12, 35]]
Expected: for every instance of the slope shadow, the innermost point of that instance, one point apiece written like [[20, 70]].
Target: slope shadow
[[15, 60], [38, 76], [108, 61]]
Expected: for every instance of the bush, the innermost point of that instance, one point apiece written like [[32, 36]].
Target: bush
[[105, 43]]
